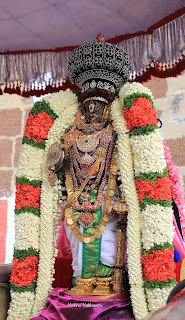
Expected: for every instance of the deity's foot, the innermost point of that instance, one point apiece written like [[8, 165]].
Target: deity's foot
[[84, 287], [103, 286]]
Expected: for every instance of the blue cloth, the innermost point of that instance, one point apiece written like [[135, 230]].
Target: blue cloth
[[177, 256]]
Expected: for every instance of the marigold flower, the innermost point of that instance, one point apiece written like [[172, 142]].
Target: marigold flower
[[160, 190], [37, 127], [159, 265], [27, 196], [140, 114], [24, 272]]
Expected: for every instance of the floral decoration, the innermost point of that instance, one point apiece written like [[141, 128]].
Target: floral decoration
[[31, 258], [27, 196], [158, 265], [24, 272], [148, 153], [37, 127], [140, 114], [139, 155], [160, 190], [27, 228], [128, 188], [156, 218]]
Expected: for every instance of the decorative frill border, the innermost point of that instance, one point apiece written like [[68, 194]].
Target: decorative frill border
[[147, 190], [162, 42], [37, 206]]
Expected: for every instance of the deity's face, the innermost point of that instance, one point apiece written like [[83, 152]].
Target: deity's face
[[94, 111]]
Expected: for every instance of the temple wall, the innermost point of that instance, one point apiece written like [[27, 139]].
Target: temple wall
[[169, 100]]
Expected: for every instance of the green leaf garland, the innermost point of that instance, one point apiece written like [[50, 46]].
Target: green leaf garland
[[33, 143], [32, 210], [31, 288], [158, 247], [24, 180], [152, 176], [23, 254], [161, 284], [43, 106], [141, 131], [128, 100], [151, 201]]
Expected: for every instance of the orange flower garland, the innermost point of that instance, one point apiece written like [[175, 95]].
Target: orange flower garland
[[24, 272], [158, 265], [160, 190], [27, 196], [37, 127], [140, 114]]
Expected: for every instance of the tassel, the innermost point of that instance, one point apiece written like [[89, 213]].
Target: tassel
[[18, 90], [6, 89], [32, 91], [49, 88], [25, 93], [41, 91]]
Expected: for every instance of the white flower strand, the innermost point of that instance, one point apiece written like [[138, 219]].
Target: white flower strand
[[27, 228], [148, 153], [20, 306], [57, 216], [154, 222], [133, 87], [125, 166], [30, 162], [65, 105], [157, 298], [30, 167]]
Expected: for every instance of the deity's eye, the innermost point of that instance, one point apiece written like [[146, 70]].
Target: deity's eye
[[91, 107]]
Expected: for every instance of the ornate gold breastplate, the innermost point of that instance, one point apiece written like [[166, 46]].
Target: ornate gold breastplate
[[83, 155]]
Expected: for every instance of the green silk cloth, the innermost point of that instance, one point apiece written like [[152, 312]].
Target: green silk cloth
[[91, 264]]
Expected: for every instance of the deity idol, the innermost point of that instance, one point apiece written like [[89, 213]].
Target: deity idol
[[94, 164]]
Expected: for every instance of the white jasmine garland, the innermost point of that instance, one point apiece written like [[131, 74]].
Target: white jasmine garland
[[154, 220], [30, 167], [27, 228], [148, 153], [30, 162], [20, 306], [133, 87], [65, 104], [148, 156], [125, 166], [157, 298]]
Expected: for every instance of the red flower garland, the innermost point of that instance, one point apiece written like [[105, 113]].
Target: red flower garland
[[159, 265], [160, 190], [24, 272], [27, 196], [37, 127], [140, 114]]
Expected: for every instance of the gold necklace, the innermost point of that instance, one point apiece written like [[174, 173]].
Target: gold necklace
[[106, 214], [88, 143]]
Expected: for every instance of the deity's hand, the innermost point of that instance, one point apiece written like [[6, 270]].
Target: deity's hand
[[55, 157], [119, 207]]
